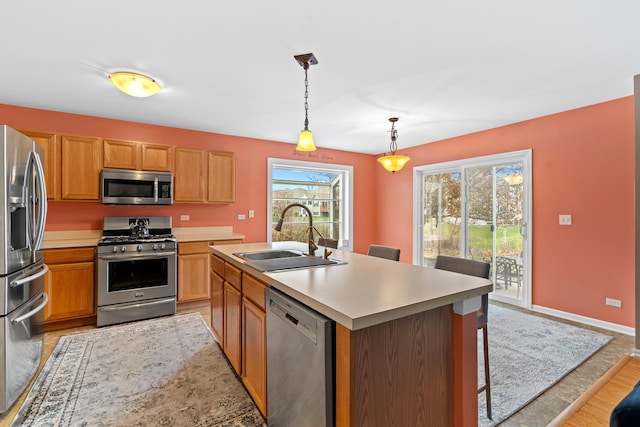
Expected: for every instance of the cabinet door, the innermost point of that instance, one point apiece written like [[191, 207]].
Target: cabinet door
[[51, 162], [120, 154], [70, 289], [190, 175], [233, 326], [80, 164], [222, 177], [254, 353], [156, 157], [217, 306], [193, 271]]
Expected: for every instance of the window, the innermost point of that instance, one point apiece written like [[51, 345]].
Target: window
[[324, 189]]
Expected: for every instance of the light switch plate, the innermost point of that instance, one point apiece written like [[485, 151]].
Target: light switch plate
[[565, 219]]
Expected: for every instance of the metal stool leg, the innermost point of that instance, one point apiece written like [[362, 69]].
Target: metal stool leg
[[487, 378]]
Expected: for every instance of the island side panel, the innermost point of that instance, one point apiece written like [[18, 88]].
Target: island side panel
[[465, 331], [399, 373]]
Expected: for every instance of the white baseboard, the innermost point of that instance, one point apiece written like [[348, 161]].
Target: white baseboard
[[627, 330]]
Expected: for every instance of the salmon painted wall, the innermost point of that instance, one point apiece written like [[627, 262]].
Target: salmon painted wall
[[583, 165], [251, 174]]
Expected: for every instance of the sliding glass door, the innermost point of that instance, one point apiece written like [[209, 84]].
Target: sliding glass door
[[478, 209]]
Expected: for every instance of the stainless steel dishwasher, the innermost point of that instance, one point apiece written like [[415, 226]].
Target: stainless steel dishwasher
[[300, 364]]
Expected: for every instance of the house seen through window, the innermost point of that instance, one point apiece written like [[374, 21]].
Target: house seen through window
[[322, 188]]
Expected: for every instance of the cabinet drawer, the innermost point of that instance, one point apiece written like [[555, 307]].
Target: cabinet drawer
[[233, 275], [217, 265], [254, 290], [62, 256], [188, 248]]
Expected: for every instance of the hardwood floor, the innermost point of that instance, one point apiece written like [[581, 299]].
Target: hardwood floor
[[594, 407], [542, 411]]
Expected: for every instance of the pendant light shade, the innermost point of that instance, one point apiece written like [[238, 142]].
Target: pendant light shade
[[134, 84], [391, 161], [305, 140]]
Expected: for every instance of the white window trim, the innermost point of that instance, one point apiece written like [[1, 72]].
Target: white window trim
[[347, 202]]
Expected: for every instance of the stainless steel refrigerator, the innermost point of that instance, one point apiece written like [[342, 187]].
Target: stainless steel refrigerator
[[23, 211]]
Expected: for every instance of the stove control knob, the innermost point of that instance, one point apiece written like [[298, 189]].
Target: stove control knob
[[123, 248], [163, 246], [155, 246], [115, 249], [139, 248]]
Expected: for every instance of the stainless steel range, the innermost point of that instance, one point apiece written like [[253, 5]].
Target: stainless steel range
[[137, 260]]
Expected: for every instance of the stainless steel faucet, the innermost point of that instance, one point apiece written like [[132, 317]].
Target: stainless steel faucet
[[312, 244]]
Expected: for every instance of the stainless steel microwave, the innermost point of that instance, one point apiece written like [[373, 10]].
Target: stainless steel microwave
[[127, 187]]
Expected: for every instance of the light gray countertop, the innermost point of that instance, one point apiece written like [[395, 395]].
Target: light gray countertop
[[85, 238], [366, 290]]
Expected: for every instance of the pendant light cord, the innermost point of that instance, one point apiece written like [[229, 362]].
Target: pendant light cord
[[306, 97]]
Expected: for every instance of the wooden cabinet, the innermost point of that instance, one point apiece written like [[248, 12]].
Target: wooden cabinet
[[204, 176], [217, 304], [51, 162], [238, 321], [135, 155], [254, 341], [190, 172], [221, 177], [69, 284], [233, 326], [193, 271], [81, 162]]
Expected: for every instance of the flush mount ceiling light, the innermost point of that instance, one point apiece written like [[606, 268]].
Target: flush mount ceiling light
[[134, 84], [390, 161], [305, 141]]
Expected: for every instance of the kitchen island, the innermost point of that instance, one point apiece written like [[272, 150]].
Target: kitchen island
[[406, 336]]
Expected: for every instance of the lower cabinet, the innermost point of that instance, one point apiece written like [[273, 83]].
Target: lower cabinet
[[193, 268], [254, 341], [70, 284], [233, 326], [238, 321]]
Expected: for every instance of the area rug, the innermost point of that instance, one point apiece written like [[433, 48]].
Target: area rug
[[161, 372], [527, 355]]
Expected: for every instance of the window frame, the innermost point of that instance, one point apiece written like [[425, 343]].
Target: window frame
[[346, 207]]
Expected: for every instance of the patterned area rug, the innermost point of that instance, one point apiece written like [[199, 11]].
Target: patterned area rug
[[527, 355], [161, 372]]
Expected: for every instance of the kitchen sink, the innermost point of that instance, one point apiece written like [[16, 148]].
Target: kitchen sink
[[284, 259], [270, 254]]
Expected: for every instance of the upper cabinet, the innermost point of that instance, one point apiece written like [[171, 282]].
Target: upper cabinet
[[72, 166], [81, 162], [222, 177], [190, 172], [51, 161], [203, 176], [135, 155]]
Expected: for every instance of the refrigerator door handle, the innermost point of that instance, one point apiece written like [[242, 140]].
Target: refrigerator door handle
[[34, 311], [44, 270], [42, 202]]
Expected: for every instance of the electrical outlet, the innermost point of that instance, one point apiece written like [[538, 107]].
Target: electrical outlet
[[565, 219], [251, 213], [613, 302], [184, 217], [241, 217]]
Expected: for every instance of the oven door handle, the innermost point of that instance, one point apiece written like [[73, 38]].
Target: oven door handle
[[140, 304], [31, 278], [32, 312], [131, 258]]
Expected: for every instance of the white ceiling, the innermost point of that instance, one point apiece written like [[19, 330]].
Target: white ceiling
[[445, 68]]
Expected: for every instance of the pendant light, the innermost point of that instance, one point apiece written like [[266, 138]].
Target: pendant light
[[390, 161], [305, 141], [134, 84]]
